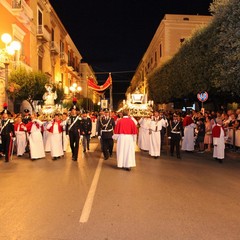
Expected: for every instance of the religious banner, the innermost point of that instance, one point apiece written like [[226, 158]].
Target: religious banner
[[97, 88]]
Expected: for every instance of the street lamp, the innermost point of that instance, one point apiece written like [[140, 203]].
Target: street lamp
[[75, 89], [11, 47]]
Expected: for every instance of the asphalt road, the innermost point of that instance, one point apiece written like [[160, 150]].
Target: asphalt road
[[160, 199]]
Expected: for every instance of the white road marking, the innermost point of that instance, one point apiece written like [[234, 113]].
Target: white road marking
[[90, 197]]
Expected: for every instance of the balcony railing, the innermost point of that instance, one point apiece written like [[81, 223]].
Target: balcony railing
[[63, 57], [53, 47], [43, 34], [22, 11]]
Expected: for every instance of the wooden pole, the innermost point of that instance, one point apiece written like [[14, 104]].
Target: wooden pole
[[111, 100]]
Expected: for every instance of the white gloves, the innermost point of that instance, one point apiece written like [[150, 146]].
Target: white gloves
[[115, 136], [99, 137]]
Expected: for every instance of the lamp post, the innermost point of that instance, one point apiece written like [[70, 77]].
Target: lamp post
[[75, 88], [11, 47]]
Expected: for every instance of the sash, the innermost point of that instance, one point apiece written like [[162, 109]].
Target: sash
[[5, 124], [73, 123]]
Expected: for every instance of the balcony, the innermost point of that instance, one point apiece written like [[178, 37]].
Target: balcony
[[22, 11], [53, 48], [42, 34], [63, 57]]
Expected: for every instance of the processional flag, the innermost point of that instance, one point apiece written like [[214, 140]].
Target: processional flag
[[100, 89]]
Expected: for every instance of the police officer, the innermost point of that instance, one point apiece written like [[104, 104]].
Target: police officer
[[105, 132], [73, 130], [7, 134], [176, 133], [86, 129]]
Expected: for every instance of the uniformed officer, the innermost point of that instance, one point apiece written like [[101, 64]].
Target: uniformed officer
[[7, 134], [176, 133], [105, 132], [86, 129], [73, 130]]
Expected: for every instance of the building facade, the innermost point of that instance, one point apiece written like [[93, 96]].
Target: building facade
[[168, 38], [46, 46]]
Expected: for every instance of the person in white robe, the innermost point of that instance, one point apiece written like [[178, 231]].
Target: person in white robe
[[155, 137], [189, 126], [21, 136], [218, 141], [143, 133], [46, 135], [56, 142], [35, 138], [125, 133], [65, 137]]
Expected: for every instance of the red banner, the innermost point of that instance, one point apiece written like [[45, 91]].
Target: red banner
[[102, 88]]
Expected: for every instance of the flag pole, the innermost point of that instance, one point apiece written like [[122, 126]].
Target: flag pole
[[111, 100]]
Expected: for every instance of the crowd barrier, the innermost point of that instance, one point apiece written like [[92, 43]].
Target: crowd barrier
[[233, 137]]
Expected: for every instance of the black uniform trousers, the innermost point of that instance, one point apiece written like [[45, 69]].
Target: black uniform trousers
[[7, 145], [175, 141], [107, 147], [74, 143]]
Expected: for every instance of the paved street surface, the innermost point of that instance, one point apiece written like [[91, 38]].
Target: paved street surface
[[165, 198]]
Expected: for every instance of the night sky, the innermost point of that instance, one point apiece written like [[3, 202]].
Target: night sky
[[113, 35]]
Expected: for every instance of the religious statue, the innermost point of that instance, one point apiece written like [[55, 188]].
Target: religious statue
[[49, 96]]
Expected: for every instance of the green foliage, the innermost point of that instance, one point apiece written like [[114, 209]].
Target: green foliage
[[209, 61], [31, 84], [25, 85]]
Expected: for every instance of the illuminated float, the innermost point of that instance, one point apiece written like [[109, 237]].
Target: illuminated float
[[137, 104]]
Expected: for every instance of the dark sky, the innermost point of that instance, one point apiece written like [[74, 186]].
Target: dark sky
[[113, 35]]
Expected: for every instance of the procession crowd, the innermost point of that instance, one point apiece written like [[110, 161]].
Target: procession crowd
[[36, 135]]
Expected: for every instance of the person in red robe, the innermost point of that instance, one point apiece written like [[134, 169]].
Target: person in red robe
[[125, 133], [189, 126], [218, 141]]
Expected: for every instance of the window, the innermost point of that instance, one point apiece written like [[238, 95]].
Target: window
[[40, 60], [40, 18], [160, 51], [52, 35], [182, 40]]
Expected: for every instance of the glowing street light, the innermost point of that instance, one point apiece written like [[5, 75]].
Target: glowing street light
[[75, 89], [11, 47]]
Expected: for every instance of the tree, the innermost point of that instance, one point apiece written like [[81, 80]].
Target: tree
[[26, 85], [208, 61]]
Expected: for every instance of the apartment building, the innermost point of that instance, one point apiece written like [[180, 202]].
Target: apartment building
[[168, 38], [46, 45]]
